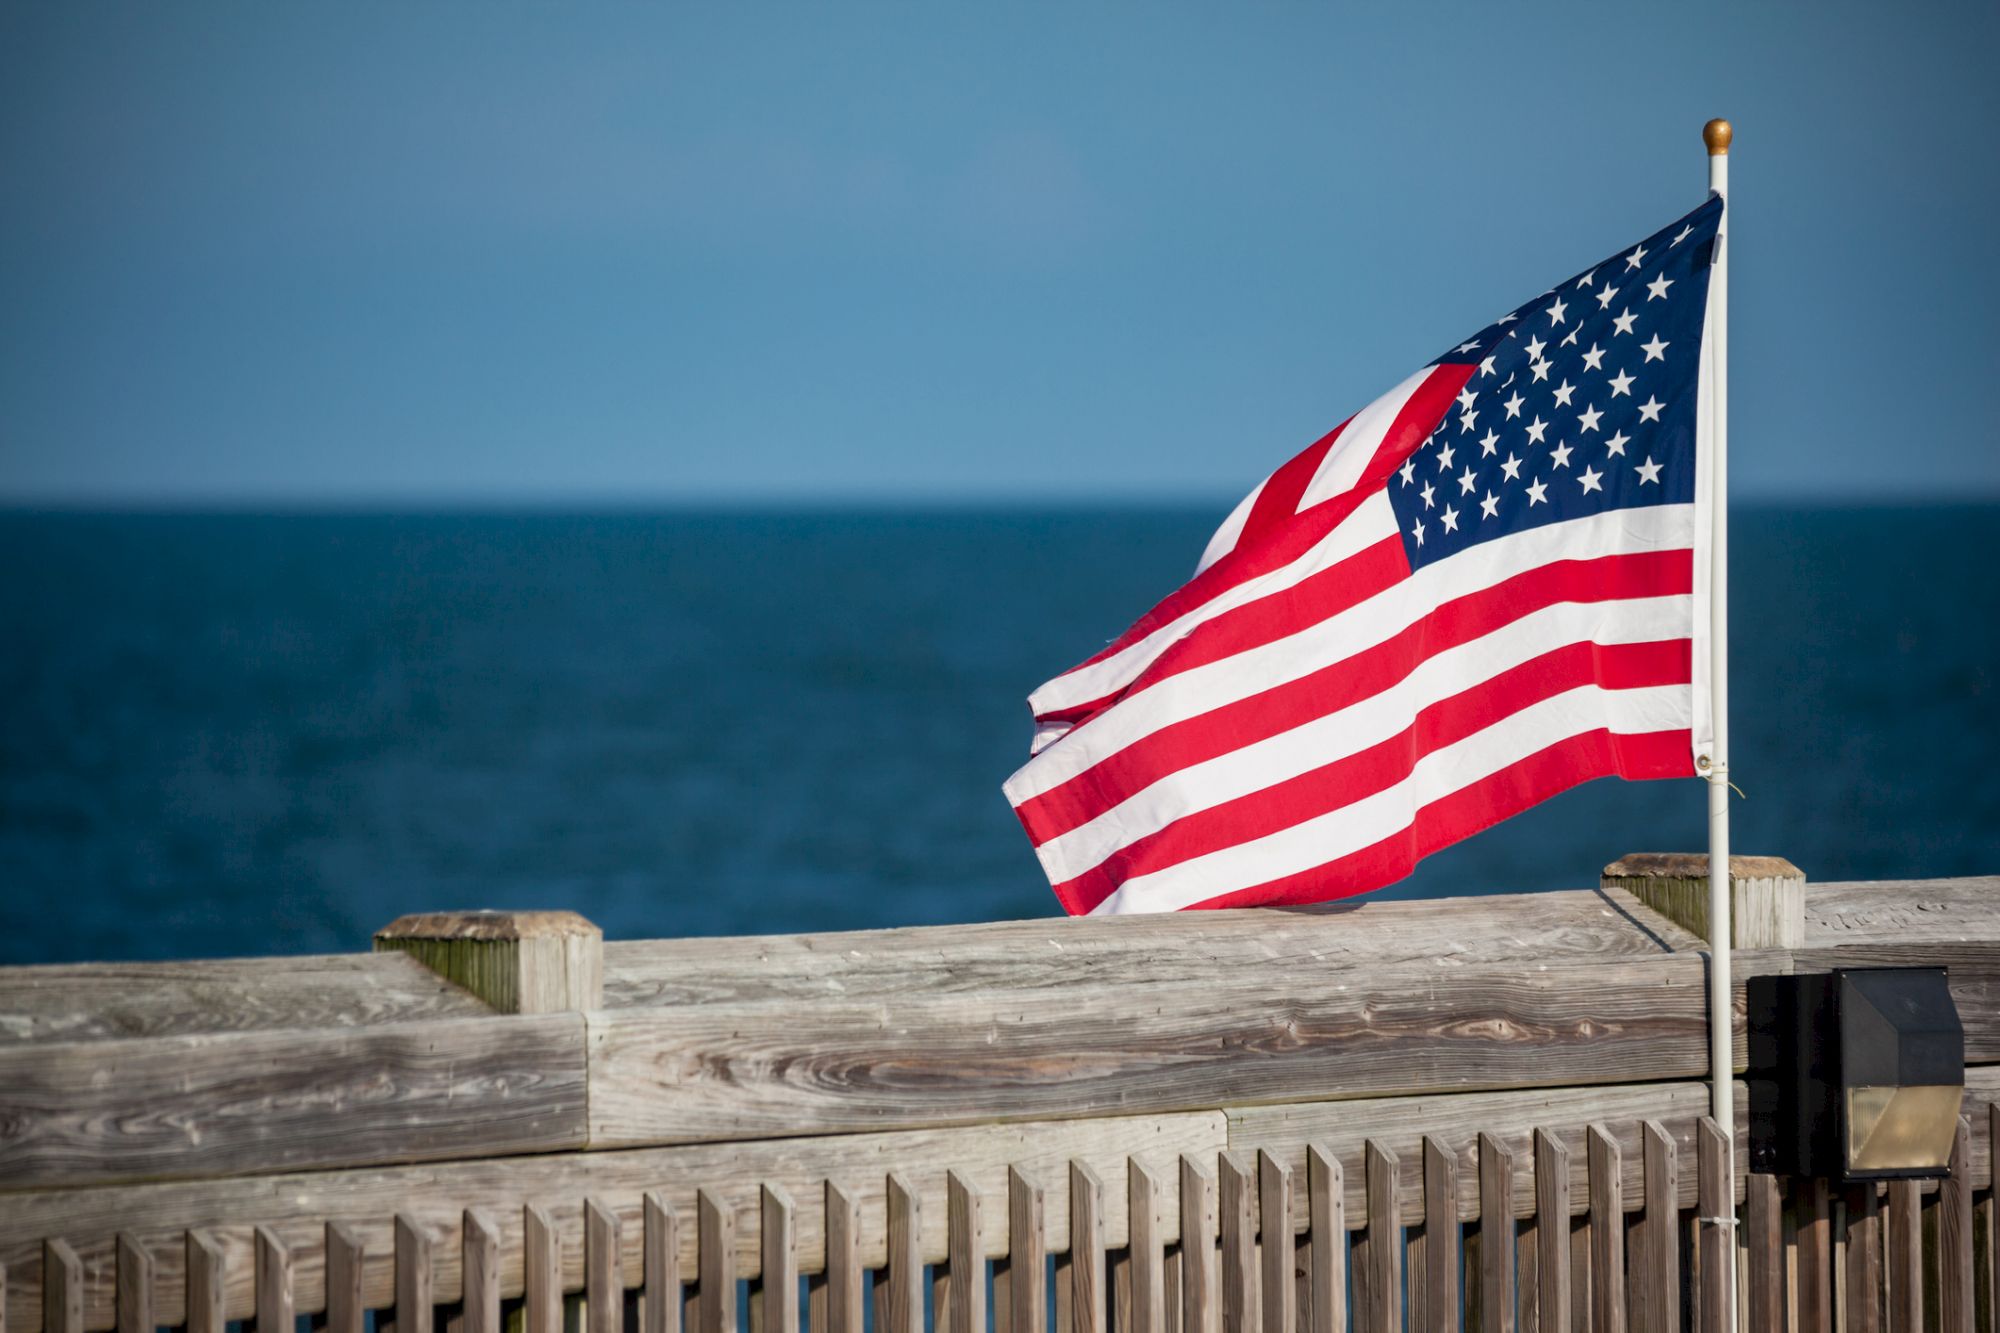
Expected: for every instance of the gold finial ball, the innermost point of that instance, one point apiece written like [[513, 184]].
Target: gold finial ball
[[1717, 134]]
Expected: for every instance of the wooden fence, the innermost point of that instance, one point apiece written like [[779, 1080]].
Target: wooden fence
[[1481, 1114]]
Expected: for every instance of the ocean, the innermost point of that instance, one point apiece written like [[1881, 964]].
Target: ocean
[[242, 733]]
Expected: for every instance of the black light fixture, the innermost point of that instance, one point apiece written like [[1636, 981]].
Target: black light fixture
[[1855, 1074]]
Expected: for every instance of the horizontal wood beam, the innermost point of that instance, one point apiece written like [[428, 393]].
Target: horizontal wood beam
[[93, 1112], [712, 1072]]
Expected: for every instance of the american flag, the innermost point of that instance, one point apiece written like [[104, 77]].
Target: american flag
[[1483, 588]]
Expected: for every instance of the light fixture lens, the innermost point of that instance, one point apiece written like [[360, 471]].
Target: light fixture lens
[[1901, 1129]]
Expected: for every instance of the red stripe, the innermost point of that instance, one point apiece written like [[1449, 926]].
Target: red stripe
[[1287, 542], [1473, 808], [1391, 760], [1343, 683], [1278, 502], [1329, 592]]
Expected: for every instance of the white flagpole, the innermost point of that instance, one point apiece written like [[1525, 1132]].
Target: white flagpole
[[1722, 1102]]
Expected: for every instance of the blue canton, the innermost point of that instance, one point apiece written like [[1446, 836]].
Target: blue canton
[[1580, 401]]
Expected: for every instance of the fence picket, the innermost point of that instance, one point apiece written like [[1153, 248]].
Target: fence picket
[[1496, 1238], [1380, 1298], [1326, 1207], [1443, 1258], [1026, 1249], [661, 1266], [715, 1232], [1200, 1281], [1906, 1258], [1656, 1279], [1954, 1266], [274, 1283], [964, 1308], [206, 1285], [1714, 1199], [1607, 1232], [1274, 1205], [1812, 1223], [1239, 1245], [1552, 1227], [1862, 1308], [479, 1267], [1146, 1289], [844, 1279], [135, 1286], [1764, 1246]]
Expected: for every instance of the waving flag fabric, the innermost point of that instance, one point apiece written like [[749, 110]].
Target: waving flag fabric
[[1483, 588]]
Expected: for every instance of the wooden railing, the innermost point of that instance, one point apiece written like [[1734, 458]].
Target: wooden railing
[[1478, 1113]]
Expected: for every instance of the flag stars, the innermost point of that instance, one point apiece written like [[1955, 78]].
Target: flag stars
[[1631, 261], [1541, 369], [1621, 383], [1466, 398], [1558, 312], [1656, 350], [1650, 409], [1450, 519], [1592, 480], [1488, 443], [1418, 530], [1463, 348], [1535, 349], [1466, 421], [1486, 366], [1512, 467], [1569, 339], [1466, 480], [1564, 392], [1587, 420], [1488, 506], [1444, 458], [1616, 444], [1649, 472], [1586, 280], [1604, 296], [1656, 290], [1685, 232], [1624, 322], [1560, 458], [1429, 493], [1594, 358], [1537, 493], [1536, 429], [1408, 472], [1513, 405]]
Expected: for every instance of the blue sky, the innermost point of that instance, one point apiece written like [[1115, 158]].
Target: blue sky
[[672, 253]]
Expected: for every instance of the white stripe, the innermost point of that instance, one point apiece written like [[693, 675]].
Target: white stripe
[[1371, 819], [1352, 729], [1224, 540], [1351, 453], [1360, 627], [1372, 520], [1047, 734]]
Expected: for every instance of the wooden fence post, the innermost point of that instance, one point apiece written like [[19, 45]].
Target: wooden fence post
[[1767, 894], [518, 962]]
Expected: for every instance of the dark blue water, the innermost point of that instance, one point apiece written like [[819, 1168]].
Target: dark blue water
[[228, 734]]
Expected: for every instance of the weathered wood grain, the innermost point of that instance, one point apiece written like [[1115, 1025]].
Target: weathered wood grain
[[906, 1260], [135, 1287], [1552, 1213], [299, 1205], [1766, 894], [1861, 1307], [1931, 911], [1064, 955], [517, 962], [1974, 977], [1511, 1118], [714, 1072], [1080, 1303], [92, 1112], [1716, 1245], [1813, 1227], [1236, 1196], [205, 1309], [1656, 1287], [1145, 1192], [1201, 1280], [274, 1284], [75, 1002], [480, 1256], [1496, 1237], [542, 1271], [1027, 1243], [660, 1267], [964, 1309], [1378, 1257], [415, 1282], [603, 1278], [1443, 1255], [1906, 1257], [1764, 1254], [1326, 1223], [715, 1226], [1954, 1239], [845, 1278], [1607, 1232], [62, 1288]]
